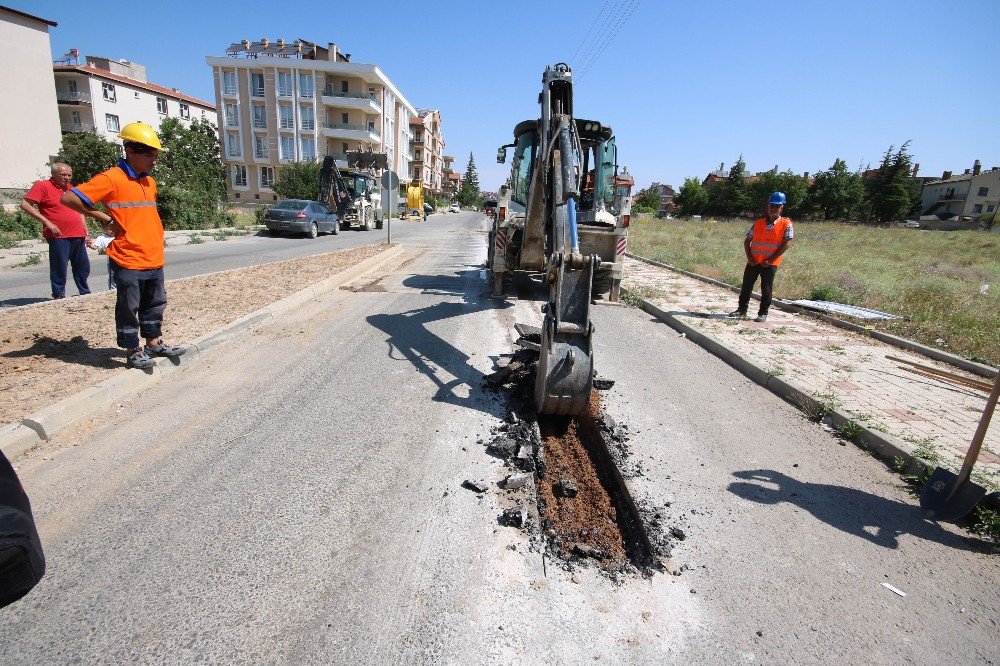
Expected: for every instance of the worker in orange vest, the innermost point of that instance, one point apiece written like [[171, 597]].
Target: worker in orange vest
[[136, 253], [765, 243]]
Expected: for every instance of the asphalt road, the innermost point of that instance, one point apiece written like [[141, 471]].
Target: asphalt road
[[30, 284], [296, 498]]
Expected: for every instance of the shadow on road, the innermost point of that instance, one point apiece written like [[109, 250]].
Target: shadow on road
[[864, 515], [411, 338], [76, 350], [17, 302]]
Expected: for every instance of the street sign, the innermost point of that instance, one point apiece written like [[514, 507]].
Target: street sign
[[390, 188]]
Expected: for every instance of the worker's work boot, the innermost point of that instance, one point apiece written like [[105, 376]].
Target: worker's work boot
[[737, 314], [761, 318]]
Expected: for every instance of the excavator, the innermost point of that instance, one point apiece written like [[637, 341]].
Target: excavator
[[353, 193], [564, 212]]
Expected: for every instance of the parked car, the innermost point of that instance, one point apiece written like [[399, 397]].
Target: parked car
[[301, 216], [911, 224], [428, 209], [454, 208]]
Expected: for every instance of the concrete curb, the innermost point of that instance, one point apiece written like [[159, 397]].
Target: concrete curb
[[971, 366], [18, 438], [884, 446]]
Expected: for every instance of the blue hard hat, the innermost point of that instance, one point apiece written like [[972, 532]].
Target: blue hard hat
[[778, 199]]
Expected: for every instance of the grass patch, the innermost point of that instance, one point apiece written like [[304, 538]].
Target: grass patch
[[633, 296], [195, 239], [848, 430], [33, 260], [933, 279]]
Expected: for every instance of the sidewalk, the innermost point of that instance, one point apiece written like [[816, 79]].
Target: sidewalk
[[843, 371]]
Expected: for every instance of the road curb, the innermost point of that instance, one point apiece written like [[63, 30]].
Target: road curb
[[980, 369], [884, 446], [18, 438]]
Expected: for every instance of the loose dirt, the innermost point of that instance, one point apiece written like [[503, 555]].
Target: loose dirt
[[55, 349]]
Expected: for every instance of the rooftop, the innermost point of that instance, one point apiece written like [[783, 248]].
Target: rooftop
[[90, 70]]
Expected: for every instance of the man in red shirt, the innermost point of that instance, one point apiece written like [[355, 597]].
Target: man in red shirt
[[63, 229]]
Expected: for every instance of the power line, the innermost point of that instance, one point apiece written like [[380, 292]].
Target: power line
[[627, 14], [589, 30]]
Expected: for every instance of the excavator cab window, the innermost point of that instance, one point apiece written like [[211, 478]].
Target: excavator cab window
[[521, 165], [605, 166]]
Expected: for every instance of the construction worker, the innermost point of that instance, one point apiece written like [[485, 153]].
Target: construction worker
[[765, 243], [136, 253], [62, 228]]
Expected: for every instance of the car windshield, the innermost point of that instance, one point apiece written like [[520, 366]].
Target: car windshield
[[291, 204]]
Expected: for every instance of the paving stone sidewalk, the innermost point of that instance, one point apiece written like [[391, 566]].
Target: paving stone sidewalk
[[932, 419]]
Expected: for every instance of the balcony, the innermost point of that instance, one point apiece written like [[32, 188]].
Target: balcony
[[73, 97], [350, 131], [358, 101], [77, 127]]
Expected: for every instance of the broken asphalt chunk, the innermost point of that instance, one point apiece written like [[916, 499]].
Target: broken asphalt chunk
[[477, 486], [603, 383], [516, 481], [568, 488], [583, 550]]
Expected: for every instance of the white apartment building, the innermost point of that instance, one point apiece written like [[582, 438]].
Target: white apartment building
[[284, 102], [428, 151], [29, 122], [973, 193], [108, 94]]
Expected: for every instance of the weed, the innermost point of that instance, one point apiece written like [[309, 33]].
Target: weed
[[848, 430], [33, 259], [899, 464], [196, 239], [826, 404], [836, 349], [634, 296], [776, 370], [781, 330], [752, 332], [986, 522]]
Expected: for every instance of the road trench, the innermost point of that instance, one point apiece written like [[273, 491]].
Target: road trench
[[567, 488]]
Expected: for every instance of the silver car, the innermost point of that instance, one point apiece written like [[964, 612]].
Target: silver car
[[301, 216]]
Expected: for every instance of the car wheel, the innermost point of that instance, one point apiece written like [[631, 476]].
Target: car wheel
[[335, 229], [313, 230]]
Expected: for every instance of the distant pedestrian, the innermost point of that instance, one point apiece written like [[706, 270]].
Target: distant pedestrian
[[136, 253], [765, 243], [63, 229]]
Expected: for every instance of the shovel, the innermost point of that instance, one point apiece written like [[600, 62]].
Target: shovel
[[947, 496]]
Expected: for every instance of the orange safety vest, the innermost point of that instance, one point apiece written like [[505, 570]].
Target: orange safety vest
[[131, 202], [766, 241]]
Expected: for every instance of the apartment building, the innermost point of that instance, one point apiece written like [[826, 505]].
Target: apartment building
[[29, 123], [451, 181], [428, 151], [973, 193], [281, 102], [105, 95]]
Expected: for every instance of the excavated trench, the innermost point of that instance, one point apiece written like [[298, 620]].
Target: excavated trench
[[567, 486]]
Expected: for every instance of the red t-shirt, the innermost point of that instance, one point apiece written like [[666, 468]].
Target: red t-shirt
[[47, 194]]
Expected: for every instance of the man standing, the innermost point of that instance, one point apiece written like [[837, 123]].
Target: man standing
[[136, 253], [765, 243], [62, 228]]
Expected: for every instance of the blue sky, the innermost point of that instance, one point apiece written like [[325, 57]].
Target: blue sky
[[685, 85]]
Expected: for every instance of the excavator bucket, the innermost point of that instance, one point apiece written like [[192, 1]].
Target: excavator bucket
[[566, 360]]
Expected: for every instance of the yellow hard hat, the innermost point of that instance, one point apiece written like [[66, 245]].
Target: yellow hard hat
[[139, 132]]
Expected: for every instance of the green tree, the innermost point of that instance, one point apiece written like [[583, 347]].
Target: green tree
[[88, 154], [298, 180], [891, 192], [692, 199], [468, 194], [647, 201], [190, 176], [730, 198], [837, 193], [793, 185]]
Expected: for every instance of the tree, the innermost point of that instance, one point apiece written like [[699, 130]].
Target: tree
[[892, 193], [298, 180], [88, 154], [691, 199], [730, 197], [190, 175], [836, 194], [793, 185], [468, 194], [647, 201]]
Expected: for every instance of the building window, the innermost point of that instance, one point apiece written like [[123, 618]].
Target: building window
[[989, 209], [71, 85], [229, 83], [233, 145], [416, 156], [256, 84], [260, 147], [343, 86], [285, 84], [416, 174], [306, 85], [287, 148], [112, 122], [266, 176], [161, 106], [978, 208], [185, 111], [232, 116], [308, 150], [286, 119], [983, 191], [307, 118], [259, 117], [239, 175], [109, 92], [344, 118]]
